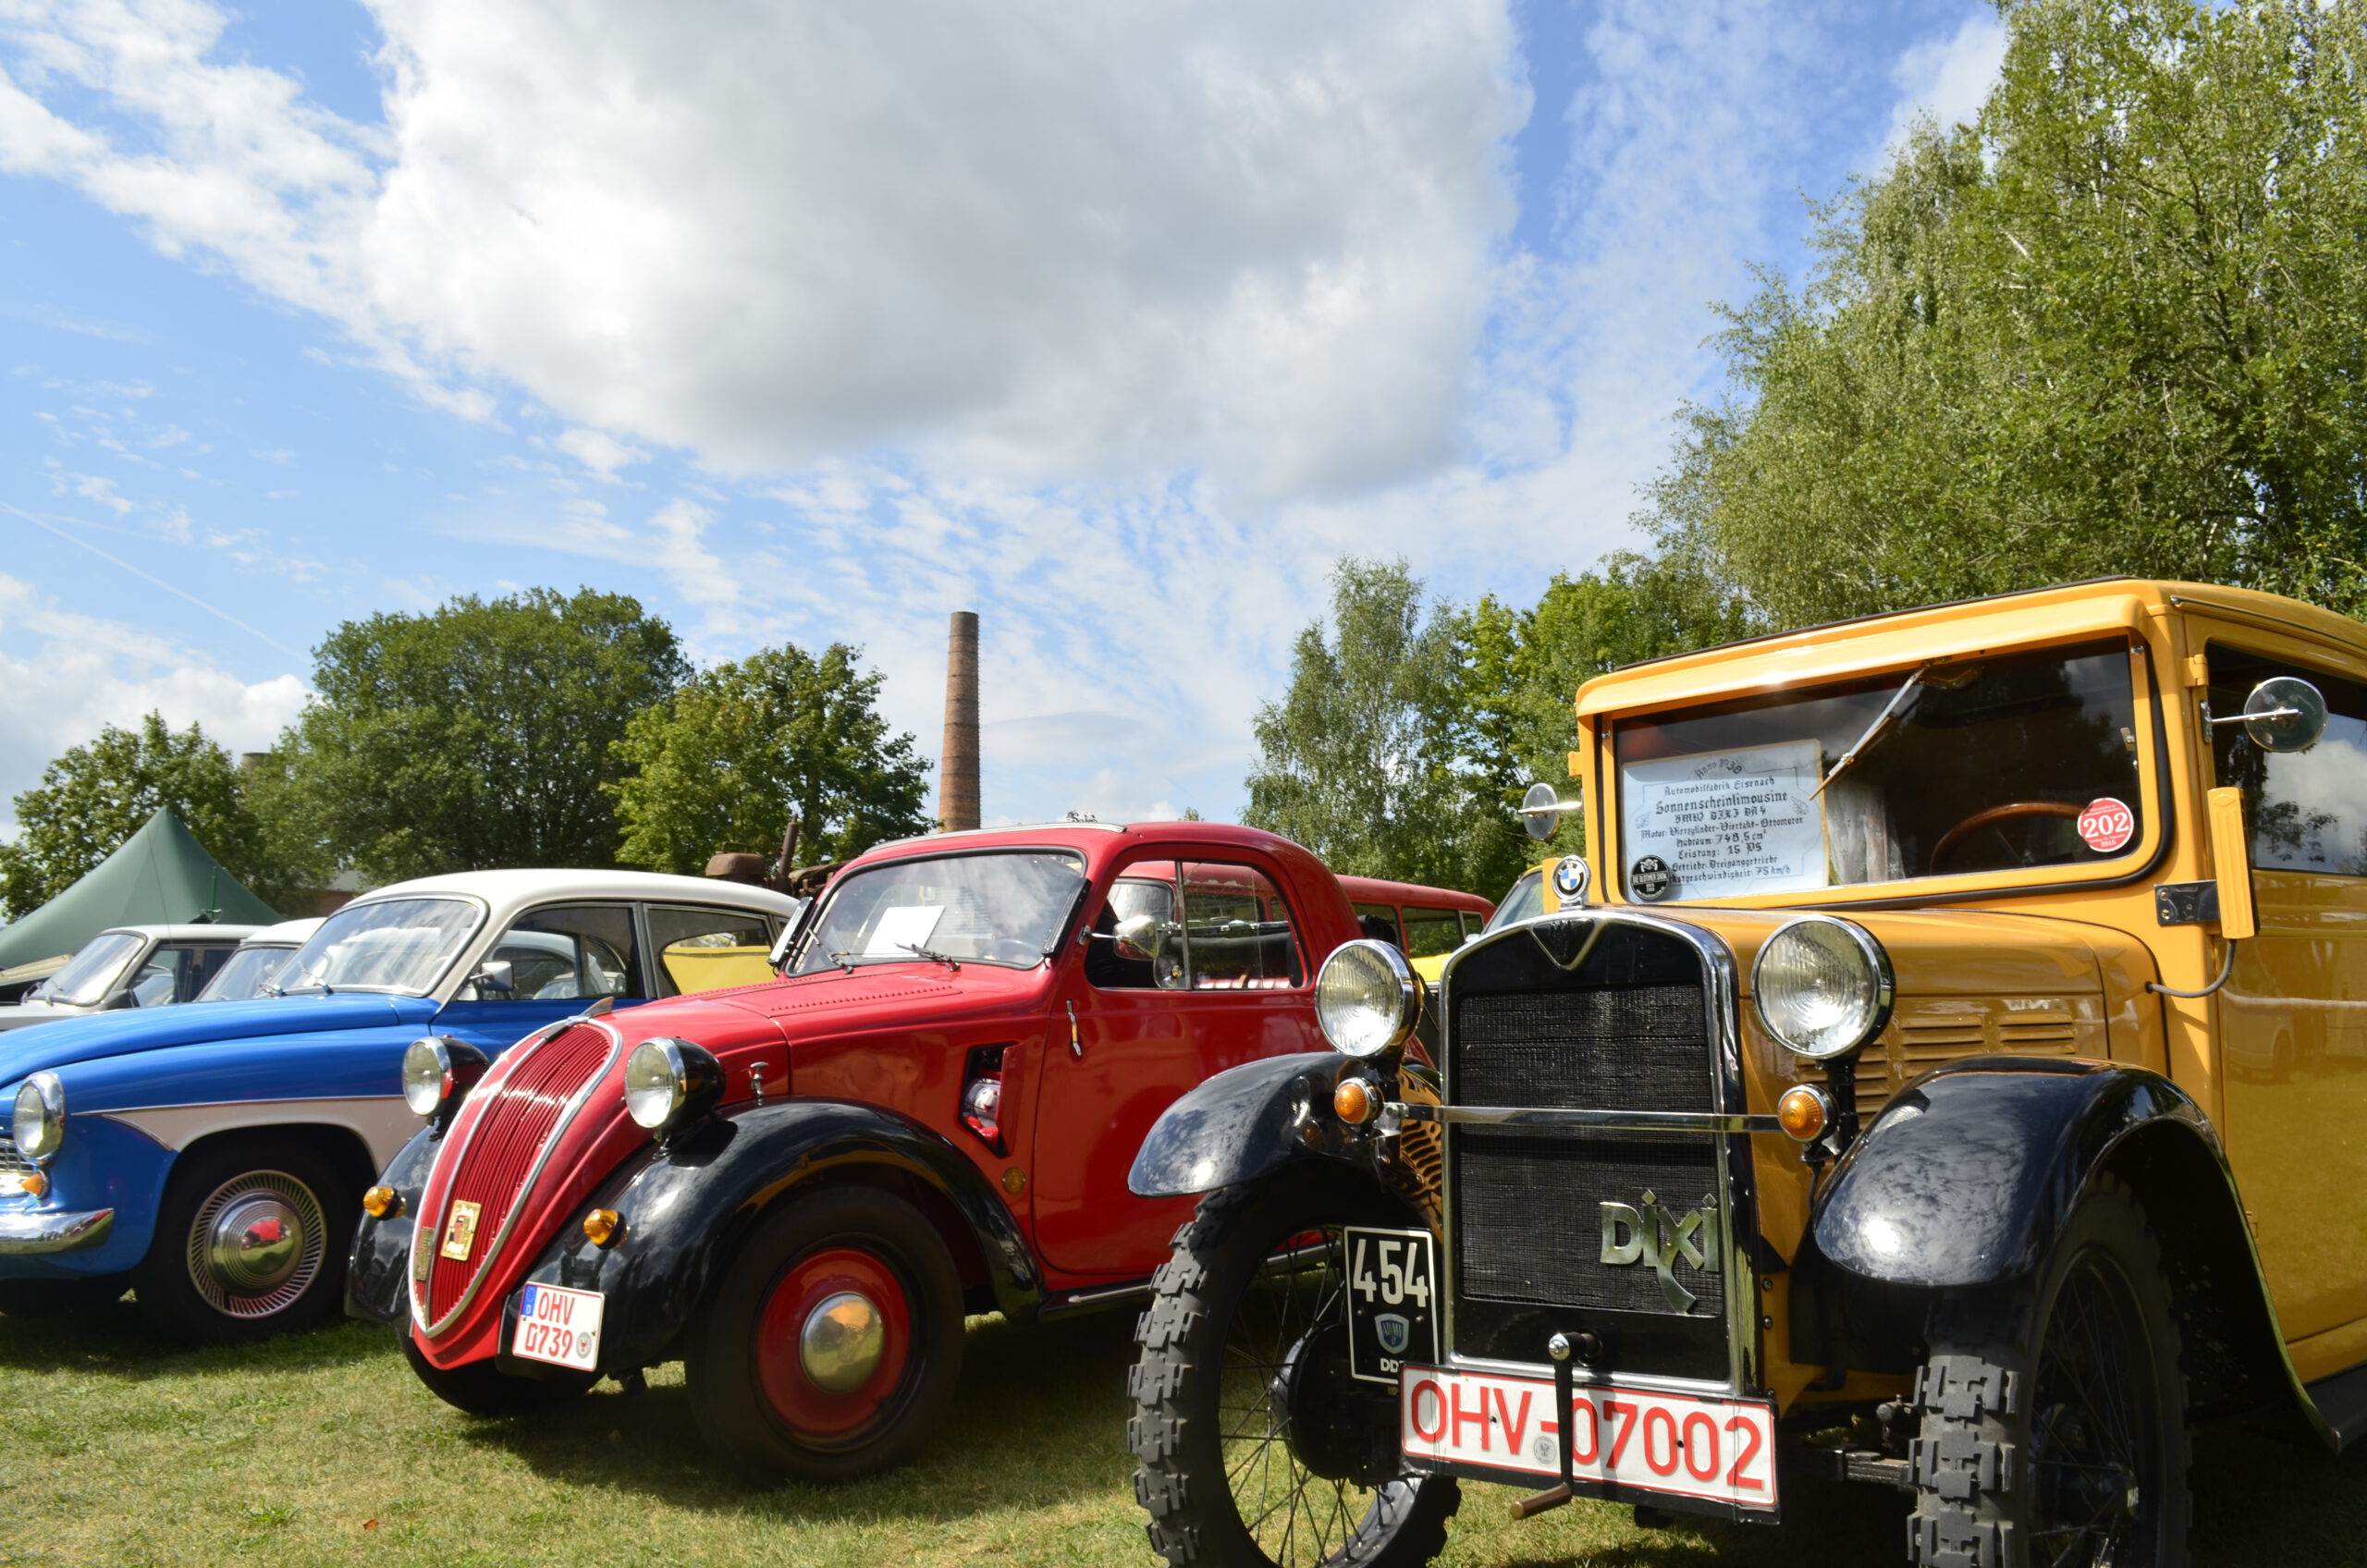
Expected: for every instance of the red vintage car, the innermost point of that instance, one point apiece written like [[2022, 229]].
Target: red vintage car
[[800, 1188]]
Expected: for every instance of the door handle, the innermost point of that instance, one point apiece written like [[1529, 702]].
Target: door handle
[[1077, 1047]]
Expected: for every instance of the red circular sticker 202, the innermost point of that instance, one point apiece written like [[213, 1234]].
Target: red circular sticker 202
[[2106, 825]]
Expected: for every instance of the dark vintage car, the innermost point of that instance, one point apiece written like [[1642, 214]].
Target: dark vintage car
[[801, 1188], [1952, 1086]]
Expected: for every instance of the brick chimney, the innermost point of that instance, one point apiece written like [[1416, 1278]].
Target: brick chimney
[[957, 784]]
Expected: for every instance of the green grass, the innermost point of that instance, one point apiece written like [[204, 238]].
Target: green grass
[[117, 1450]]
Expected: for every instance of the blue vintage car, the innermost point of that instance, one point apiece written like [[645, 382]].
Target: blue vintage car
[[213, 1158]]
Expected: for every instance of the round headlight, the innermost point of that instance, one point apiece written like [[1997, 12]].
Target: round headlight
[[39, 1124], [427, 1076], [1368, 999], [663, 1075], [1822, 988]]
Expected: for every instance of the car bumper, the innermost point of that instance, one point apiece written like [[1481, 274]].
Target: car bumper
[[54, 1231]]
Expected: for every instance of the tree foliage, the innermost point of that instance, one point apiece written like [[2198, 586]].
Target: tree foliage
[[2121, 326], [481, 734], [93, 797], [729, 758]]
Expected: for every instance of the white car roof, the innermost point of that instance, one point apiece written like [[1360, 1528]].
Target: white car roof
[[186, 933], [507, 892], [286, 933]]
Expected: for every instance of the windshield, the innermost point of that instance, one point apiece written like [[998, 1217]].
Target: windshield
[[88, 975], [1984, 765], [244, 974], [1526, 899], [996, 908], [396, 945]]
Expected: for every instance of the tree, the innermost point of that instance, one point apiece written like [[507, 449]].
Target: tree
[[728, 759], [1366, 759], [94, 796], [2118, 326], [481, 734]]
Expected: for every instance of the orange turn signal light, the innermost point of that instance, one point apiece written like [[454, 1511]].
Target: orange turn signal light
[[1355, 1102], [1804, 1111], [382, 1202], [34, 1182], [603, 1227]]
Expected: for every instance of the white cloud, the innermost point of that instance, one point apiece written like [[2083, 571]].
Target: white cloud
[[1050, 238], [63, 676], [1948, 78], [598, 450]]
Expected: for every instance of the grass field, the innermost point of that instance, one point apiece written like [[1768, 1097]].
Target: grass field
[[323, 1449]]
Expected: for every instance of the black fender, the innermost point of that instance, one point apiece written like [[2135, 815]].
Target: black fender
[[1965, 1181], [1242, 1123], [378, 1279], [683, 1207]]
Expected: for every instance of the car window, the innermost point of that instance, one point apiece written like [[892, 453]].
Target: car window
[[1237, 932], [1472, 923], [160, 976], [1524, 900], [92, 972], [1431, 931], [1378, 922], [1006, 906], [706, 950], [565, 952], [2307, 810], [400, 945], [244, 974], [1145, 888]]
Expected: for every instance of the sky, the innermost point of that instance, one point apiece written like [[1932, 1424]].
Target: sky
[[1118, 322]]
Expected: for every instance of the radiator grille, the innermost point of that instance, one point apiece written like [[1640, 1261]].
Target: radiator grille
[[1628, 1047], [1528, 1213], [511, 1128], [11, 1162]]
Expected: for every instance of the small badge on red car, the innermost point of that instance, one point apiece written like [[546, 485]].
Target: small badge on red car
[[460, 1232]]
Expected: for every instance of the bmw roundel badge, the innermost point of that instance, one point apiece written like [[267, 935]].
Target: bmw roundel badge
[[1570, 876]]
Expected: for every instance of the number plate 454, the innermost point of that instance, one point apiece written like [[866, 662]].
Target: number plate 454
[[1393, 1302]]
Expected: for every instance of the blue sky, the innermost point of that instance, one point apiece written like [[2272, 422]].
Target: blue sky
[[1116, 322]]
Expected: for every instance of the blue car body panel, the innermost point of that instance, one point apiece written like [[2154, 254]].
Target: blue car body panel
[[143, 1085]]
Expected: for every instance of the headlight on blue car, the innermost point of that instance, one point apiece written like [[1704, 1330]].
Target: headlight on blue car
[[39, 1125]]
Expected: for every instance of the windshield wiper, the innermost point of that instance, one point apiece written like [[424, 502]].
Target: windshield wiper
[[1865, 743], [931, 954]]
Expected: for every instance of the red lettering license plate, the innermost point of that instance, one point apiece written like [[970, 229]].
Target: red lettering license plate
[[1720, 1449], [559, 1326]]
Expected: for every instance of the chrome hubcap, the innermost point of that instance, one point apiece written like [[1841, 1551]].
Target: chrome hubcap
[[842, 1342], [256, 1243]]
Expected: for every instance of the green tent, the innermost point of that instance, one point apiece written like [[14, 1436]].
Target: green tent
[[162, 876]]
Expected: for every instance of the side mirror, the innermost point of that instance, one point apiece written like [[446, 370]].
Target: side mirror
[[2284, 713], [2231, 858], [1137, 937], [495, 975], [1541, 809]]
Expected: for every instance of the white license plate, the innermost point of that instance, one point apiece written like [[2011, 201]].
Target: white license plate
[[559, 1326], [1720, 1449]]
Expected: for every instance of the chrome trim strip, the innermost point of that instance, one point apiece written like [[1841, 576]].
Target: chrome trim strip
[[54, 1231], [1722, 1004], [423, 1235], [1705, 1122]]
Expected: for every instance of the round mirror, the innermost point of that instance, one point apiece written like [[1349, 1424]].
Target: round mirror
[[1540, 810], [1137, 937], [2284, 713]]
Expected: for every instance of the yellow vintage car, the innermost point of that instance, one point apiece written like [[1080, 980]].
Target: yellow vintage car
[[1955, 1086]]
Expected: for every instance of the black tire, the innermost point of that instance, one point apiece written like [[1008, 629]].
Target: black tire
[[1224, 1319], [190, 1291], [46, 1298], [2054, 1416], [751, 1391], [482, 1389]]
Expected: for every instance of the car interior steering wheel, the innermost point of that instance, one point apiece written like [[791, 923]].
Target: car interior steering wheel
[[1990, 818]]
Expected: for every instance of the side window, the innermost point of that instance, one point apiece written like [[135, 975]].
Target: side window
[[205, 963], [568, 951], [1237, 932], [2307, 811], [1472, 923], [1145, 888], [159, 977], [1378, 922], [706, 950], [1431, 931]]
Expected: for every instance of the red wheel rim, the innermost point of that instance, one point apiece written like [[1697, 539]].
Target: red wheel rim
[[805, 1408]]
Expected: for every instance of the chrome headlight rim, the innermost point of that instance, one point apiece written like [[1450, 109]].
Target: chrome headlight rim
[[427, 1075], [666, 1079], [1882, 980], [1394, 980], [41, 1100]]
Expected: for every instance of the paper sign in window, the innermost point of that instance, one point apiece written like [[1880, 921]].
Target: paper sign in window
[[902, 927], [1728, 823]]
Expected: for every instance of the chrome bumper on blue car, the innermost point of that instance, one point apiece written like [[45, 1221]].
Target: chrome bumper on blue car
[[54, 1231]]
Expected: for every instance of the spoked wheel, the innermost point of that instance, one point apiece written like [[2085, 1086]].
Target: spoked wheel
[[833, 1344], [1255, 1446], [2055, 1425]]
